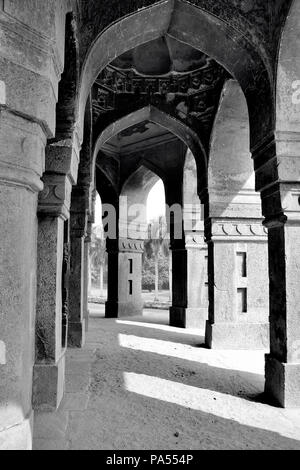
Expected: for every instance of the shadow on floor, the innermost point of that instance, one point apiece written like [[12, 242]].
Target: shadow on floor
[[148, 388]]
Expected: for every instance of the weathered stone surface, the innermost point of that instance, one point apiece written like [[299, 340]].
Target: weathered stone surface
[[234, 335], [282, 382], [48, 385]]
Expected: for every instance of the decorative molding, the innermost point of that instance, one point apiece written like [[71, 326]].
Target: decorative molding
[[62, 157], [238, 231], [187, 96], [78, 224], [12, 175], [55, 199], [131, 246], [195, 240]]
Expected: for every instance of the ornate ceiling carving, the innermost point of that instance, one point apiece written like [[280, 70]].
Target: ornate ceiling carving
[[192, 97]]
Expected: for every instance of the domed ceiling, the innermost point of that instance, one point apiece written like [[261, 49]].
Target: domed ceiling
[[164, 56], [172, 76]]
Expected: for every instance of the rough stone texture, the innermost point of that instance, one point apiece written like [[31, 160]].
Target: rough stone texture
[[49, 295], [76, 329], [48, 385], [18, 265], [282, 382], [229, 335]]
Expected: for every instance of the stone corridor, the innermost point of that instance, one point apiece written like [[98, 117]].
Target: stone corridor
[[140, 384]]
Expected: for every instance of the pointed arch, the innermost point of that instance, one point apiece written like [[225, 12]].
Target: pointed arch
[[176, 127], [205, 32]]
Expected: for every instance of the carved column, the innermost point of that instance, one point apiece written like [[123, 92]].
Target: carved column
[[22, 145], [78, 227], [278, 180], [28, 96], [53, 271], [86, 276], [238, 284]]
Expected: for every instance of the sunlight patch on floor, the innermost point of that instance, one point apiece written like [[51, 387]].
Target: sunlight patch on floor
[[248, 361], [170, 329], [224, 406]]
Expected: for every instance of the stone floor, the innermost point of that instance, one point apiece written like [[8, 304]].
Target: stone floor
[[139, 384]]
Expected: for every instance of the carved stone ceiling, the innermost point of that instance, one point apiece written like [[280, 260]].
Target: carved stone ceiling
[[165, 73], [139, 137]]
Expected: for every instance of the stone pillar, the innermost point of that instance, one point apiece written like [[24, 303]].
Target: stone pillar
[[124, 278], [197, 281], [190, 303], [21, 166], [238, 284], [281, 208], [28, 96], [283, 362], [179, 284], [49, 369], [86, 277], [112, 304], [130, 277], [53, 266], [78, 224]]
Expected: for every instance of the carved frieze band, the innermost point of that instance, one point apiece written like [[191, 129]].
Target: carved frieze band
[[126, 245], [238, 231]]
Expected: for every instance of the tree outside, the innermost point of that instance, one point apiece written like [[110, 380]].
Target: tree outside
[[98, 260], [156, 267]]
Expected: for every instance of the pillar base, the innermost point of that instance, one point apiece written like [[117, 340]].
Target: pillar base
[[237, 336], [111, 309], [122, 309], [18, 437], [76, 334], [181, 317], [48, 385], [282, 382]]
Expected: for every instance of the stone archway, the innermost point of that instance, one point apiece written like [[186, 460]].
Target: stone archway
[[243, 59], [174, 126]]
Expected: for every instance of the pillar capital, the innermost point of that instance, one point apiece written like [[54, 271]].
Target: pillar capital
[[55, 199], [62, 157], [78, 224], [281, 204], [195, 240], [22, 151]]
